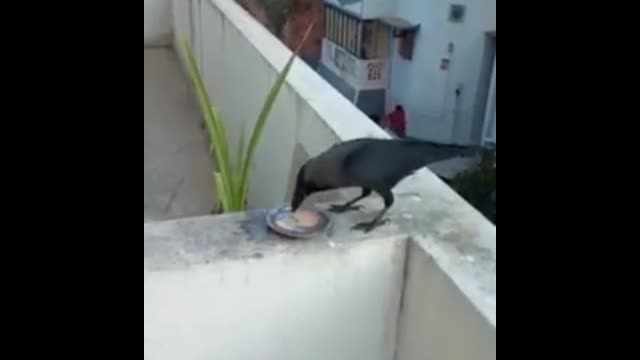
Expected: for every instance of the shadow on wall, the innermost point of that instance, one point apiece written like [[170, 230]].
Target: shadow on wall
[[288, 20]]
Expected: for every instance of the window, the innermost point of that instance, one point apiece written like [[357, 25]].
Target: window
[[368, 40], [406, 45], [375, 40]]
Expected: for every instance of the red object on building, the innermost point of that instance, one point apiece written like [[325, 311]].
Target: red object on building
[[397, 121]]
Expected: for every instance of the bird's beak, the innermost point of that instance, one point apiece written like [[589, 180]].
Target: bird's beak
[[298, 197]]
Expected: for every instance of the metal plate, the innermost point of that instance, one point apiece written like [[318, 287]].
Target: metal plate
[[274, 215]]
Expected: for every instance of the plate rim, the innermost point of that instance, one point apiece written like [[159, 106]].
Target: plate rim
[[271, 212]]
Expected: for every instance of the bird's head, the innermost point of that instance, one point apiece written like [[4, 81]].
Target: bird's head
[[305, 186], [302, 189]]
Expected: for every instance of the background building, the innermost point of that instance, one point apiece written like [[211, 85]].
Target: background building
[[435, 58]]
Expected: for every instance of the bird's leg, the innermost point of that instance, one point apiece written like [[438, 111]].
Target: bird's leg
[[336, 208], [377, 221], [368, 226]]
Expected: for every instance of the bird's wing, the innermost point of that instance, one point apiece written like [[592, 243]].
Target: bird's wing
[[383, 164]]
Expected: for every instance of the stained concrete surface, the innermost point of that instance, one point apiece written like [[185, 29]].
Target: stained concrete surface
[[213, 279], [444, 233], [178, 180]]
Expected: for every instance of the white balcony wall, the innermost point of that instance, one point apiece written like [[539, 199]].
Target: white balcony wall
[[359, 74], [309, 302]]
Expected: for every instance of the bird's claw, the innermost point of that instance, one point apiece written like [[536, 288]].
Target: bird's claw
[[343, 208], [368, 226]]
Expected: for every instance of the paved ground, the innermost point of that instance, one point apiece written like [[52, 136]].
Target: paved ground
[[178, 179]]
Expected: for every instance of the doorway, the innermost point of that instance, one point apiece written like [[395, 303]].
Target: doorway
[[487, 72]]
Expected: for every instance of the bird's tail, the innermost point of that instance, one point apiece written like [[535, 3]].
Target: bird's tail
[[423, 153]]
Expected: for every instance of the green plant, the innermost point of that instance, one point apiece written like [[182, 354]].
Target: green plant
[[232, 175]]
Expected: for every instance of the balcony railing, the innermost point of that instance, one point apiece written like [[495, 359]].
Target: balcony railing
[[358, 73]]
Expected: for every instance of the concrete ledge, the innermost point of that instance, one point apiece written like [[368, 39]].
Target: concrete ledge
[[222, 287], [197, 241], [408, 290]]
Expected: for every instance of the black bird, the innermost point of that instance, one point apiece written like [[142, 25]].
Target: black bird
[[371, 164]]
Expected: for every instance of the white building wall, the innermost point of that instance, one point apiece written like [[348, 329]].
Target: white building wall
[[428, 92]]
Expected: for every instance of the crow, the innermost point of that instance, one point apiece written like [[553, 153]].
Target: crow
[[371, 164]]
